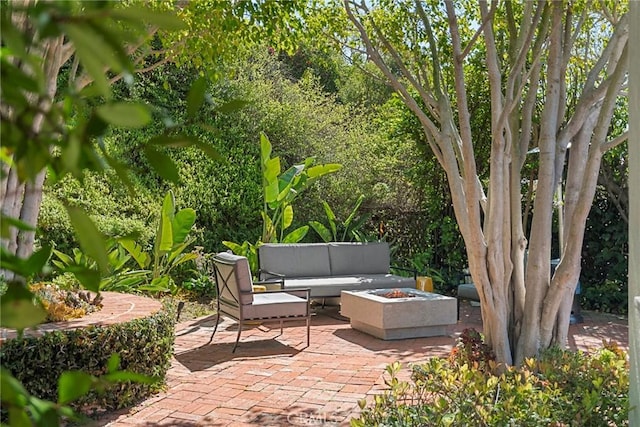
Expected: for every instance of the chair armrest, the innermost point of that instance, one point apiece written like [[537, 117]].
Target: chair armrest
[[411, 270], [302, 293]]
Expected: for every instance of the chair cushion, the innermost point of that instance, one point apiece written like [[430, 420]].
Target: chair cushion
[[235, 269], [358, 258], [295, 260], [270, 305], [322, 287]]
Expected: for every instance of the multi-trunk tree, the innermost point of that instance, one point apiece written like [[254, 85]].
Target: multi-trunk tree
[[532, 55]]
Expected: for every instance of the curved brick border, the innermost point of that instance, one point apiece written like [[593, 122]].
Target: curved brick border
[[116, 308]]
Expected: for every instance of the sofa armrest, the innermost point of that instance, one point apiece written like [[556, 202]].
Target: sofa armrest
[[272, 281], [262, 272], [411, 270]]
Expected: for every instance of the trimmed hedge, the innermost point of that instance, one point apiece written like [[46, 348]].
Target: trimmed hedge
[[145, 346]]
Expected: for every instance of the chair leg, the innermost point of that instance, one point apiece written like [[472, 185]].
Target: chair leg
[[215, 327], [308, 329], [238, 337]]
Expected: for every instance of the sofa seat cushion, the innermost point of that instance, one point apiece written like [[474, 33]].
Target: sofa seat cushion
[[332, 286], [295, 260], [272, 304]]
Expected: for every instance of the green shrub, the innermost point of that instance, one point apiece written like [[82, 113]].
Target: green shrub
[[561, 388], [144, 345]]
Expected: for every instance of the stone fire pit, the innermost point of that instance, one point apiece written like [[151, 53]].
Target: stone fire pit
[[392, 314]]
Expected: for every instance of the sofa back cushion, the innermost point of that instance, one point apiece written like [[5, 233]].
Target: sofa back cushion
[[295, 259], [359, 258]]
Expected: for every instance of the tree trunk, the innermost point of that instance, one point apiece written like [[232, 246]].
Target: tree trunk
[[22, 200]]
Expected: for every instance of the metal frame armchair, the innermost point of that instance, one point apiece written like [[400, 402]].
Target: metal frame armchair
[[236, 298]]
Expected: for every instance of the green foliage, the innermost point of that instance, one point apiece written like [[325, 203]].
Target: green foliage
[[605, 258], [280, 191], [144, 345], [171, 241], [23, 408], [347, 231], [112, 208], [563, 388], [119, 277]]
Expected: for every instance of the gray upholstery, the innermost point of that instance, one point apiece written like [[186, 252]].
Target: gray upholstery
[[273, 304], [323, 287], [359, 258], [295, 260], [468, 291], [329, 268], [237, 300], [236, 268]]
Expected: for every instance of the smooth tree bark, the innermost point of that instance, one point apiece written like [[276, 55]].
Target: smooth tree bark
[[427, 53]]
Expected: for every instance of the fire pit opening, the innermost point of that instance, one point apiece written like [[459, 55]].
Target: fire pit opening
[[396, 293]]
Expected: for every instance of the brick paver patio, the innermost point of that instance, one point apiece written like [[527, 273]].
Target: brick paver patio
[[278, 382]]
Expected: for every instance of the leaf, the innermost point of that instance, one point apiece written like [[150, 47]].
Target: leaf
[[231, 106], [287, 217], [296, 235], [184, 258], [121, 171], [94, 37], [320, 170], [331, 217], [11, 390], [7, 221], [265, 149], [322, 231], [235, 248], [72, 385], [354, 211], [90, 239], [88, 277], [125, 114], [164, 234], [135, 251], [162, 164], [270, 180], [121, 376], [113, 363], [209, 150], [195, 97], [159, 284], [90, 61], [167, 20], [182, 224], [36, 262], [18, 309]]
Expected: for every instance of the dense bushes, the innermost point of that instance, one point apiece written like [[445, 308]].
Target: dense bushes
[[605, 258], [562, 388], [379, 143], [144, 345]]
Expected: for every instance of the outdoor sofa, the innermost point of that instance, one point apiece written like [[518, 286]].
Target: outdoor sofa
[[329, 268]]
